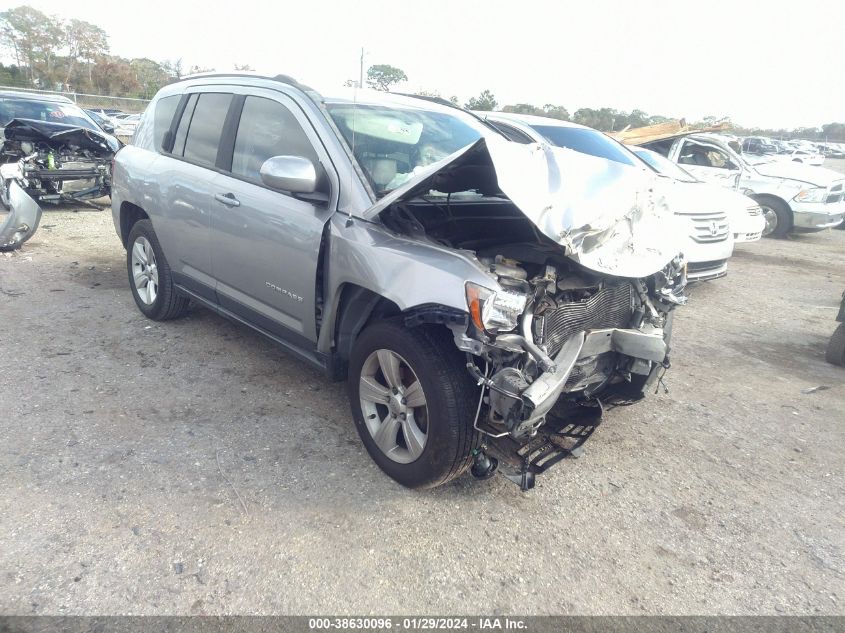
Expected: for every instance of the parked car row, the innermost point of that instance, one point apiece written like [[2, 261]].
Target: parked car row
[[762, 149], [121, 123], [792, 196]]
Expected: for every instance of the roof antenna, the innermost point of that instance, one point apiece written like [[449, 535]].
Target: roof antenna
[[357, 87]]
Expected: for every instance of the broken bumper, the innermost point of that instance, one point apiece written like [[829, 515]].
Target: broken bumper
[[22, 220], [812, 216], [544, 392]]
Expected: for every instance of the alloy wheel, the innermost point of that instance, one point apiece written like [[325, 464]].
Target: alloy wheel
[[771, 219], [394, 406], [144, 270]]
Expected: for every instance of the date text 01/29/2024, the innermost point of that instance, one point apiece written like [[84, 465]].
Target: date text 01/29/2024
[[417, 624]]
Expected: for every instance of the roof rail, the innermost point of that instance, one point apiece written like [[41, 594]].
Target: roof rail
[[282, 78]]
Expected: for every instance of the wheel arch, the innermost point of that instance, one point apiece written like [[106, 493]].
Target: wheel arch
[[358, 307], [129, 215], [763, 197]]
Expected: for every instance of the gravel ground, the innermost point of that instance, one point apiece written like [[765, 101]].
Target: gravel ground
[[192, 468]]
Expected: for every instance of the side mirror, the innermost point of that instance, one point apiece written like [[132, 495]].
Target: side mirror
[[293, 174], [108, 128]]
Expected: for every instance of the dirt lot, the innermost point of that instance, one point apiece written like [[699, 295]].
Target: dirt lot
[[191, 467]]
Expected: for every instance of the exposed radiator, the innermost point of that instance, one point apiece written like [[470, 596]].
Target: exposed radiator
[[609, 307]]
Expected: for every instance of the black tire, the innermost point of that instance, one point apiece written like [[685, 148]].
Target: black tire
[[168, 303], [450, 395], [836, 348], [781, 212]]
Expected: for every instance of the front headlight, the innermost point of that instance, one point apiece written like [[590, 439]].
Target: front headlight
[[494, 310], [815, 194]]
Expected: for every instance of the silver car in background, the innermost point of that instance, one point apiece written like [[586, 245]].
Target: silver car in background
[[482, 299]]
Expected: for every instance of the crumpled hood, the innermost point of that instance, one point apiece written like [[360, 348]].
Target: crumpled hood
[[609, 217], [819, 176], [59, 133]]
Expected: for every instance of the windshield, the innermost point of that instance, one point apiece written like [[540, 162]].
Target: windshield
[[47, 111], [586, 141], [392, 144], [663, 165]]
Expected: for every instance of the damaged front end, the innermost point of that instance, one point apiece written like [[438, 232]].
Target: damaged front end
[[584, 270], [49, 162], [581, 342]]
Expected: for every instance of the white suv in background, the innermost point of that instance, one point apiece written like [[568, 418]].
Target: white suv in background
[[792, 195]]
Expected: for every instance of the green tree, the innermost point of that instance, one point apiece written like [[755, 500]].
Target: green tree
[[524, 108], [149, 75], [83, 42], [35, 40], [604, 119], [114, 76], [556, 112], [383, 76], [485, 101], [834, 132], [12, 75]]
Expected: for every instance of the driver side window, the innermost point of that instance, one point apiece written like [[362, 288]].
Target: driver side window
[[267, 129]]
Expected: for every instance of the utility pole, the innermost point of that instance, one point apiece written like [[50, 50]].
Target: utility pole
[[361, 70]]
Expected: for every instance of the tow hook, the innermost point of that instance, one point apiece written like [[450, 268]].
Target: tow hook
[[483, 465]]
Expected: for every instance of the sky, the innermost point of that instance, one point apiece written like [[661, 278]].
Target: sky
[[761, 64]]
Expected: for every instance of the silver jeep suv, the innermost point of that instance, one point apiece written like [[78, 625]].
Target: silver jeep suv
[[483, 299]]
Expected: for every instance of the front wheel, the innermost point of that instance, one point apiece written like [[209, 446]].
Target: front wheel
[[413, 403], [778, 217]]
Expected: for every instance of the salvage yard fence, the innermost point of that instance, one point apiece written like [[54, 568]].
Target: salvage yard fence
[[92, 102]]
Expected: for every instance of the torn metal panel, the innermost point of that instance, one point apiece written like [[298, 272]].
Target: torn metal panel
[[22, 220], [610, 217]]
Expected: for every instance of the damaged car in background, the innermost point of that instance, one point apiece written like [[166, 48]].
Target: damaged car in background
[[483, 300], [51, 151]]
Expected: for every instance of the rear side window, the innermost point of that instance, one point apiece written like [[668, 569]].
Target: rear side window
[[184, 124], [165, 109], [206, 127], [267, 129]]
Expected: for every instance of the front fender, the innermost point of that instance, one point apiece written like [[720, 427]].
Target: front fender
[[406, 272]]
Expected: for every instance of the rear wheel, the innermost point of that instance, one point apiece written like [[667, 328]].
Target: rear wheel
[[412, 401], [149, 275], [778, 217]]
